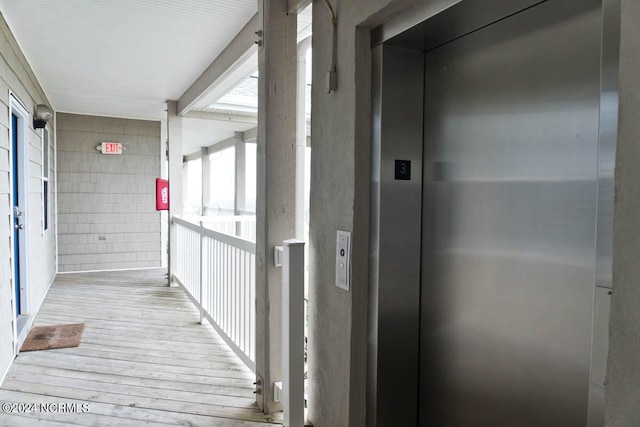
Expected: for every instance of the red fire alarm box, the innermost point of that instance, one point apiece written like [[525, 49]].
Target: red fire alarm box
[[162, 194]]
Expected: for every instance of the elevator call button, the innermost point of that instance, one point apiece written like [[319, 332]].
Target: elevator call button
[[403, 170]]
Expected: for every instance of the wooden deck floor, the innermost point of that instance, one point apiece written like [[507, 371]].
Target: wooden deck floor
[[143, 360]]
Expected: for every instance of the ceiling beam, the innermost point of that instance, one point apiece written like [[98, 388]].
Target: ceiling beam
[[222, 145], [235, 52], [193, 156], [248, 136], [221, 117]]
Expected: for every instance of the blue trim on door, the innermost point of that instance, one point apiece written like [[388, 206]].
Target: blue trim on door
[[16, 196]]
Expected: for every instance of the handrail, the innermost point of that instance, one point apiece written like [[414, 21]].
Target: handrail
[[219, 218], [238, 242], [235, 225]]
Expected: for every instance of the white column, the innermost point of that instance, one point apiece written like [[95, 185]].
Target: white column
[[275, 202], [185, 183], [240, 186], [164, 174], [206, 181], [293, 333], [301, 133], [175, 177]]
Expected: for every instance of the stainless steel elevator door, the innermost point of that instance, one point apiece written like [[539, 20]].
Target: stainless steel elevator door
[[509, 219]]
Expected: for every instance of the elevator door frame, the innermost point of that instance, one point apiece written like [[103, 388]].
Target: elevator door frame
[[393, 223]]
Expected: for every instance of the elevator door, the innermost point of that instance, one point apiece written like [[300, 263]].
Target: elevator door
[[509, 219]]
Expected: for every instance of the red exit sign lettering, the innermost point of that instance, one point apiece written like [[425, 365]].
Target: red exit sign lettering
[[111, 148]]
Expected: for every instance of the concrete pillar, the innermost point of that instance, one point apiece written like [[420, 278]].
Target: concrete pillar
[[174, 130], [623, 374], [301, 133], [185, 183], [206, 181], [164, 174], [275, 202], [240, 187]]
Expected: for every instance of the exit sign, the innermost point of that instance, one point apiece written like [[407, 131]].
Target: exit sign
[[110, 148]]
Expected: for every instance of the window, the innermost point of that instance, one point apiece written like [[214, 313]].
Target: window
[[222, 182], [193, 187], [45, 179], [250, 180]]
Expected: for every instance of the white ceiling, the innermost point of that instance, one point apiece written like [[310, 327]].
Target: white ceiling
[[122, 58]]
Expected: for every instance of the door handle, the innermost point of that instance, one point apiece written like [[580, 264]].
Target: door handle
[[17, 211], [19, 226]]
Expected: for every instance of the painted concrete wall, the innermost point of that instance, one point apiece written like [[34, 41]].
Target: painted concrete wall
[[340, 200], [275, 203], [623, 378], [106, 203], [16, 75]]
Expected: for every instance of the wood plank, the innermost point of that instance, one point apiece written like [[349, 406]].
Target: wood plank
[[159, 321], [250, 413], [145, 333], [90, 386], [180, 347], [139, 366], [99, 299], [169, 295], [123, 412], [134, 373], [209, 349], [194, 330], [100, 354], [59, 418], [107, 312], [238, 388], [177, 358], [187, 334], [144, 339], [144, 359], [28, 420]]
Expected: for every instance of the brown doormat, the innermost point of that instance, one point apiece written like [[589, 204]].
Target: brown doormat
[[50, 337]]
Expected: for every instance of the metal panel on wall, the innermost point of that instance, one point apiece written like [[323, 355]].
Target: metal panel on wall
[[606, 195], [520, 134], [394, 294], [509, 214]]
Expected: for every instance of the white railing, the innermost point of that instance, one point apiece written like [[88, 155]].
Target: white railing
[[217, 271], [237, 225], [216, 210]]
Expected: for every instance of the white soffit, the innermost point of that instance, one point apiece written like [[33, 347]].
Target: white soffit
[[122, 58]]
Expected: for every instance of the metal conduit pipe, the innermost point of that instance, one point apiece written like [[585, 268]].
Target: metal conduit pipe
[[301, 134]]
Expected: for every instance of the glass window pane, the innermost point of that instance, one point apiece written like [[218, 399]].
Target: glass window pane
[[193, 200], [222, 185], [251, 152], [46, 204], [45, 153]]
